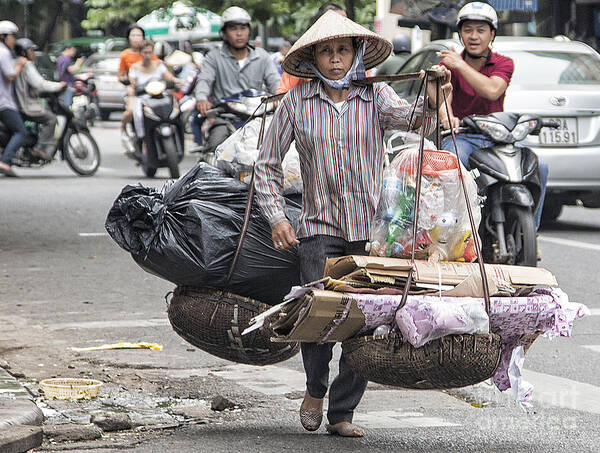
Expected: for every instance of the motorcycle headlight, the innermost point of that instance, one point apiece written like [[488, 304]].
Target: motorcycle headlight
[[155, 87], [497, 131], [523, 129], [148, 112]]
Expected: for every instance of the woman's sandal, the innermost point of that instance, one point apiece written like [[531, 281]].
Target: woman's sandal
[[345, 430], [311, 419]]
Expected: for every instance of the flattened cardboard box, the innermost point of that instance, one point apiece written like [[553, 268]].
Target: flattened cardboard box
[[324, 310], [452, 272]]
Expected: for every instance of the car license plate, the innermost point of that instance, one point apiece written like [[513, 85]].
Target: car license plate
[[564, 135]]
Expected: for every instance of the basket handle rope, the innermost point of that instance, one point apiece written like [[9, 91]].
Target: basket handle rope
[[423, 88], [475, 235], [249, 201]]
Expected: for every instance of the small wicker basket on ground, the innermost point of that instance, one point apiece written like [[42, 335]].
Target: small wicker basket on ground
[[70, 388], [448, 362], [213, 320]]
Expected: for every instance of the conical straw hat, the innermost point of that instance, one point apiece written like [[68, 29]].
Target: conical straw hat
[[332, 25]]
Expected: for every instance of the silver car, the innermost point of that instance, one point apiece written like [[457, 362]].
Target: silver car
[[110, 92], [556, 79]]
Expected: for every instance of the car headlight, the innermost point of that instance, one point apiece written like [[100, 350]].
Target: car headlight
[[148, 112], [523, 129], [497, 131]]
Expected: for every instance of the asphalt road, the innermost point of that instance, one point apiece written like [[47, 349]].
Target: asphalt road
[[64, 283]]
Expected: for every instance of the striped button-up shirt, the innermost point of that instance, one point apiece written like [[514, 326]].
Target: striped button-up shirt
[[341, 156]]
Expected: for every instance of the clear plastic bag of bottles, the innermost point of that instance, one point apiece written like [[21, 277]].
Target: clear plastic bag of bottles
[[443, 230]]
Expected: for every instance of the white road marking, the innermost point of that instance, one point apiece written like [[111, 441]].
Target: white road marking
[[594, 311], [126, 323], [562, 392], [593, 347], [90, 235], [270, 379], [569, 243], [397, 420], [275, 380]]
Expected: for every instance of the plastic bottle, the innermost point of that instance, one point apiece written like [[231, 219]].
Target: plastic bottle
[[392, 187], [383, 329], [403, 215]]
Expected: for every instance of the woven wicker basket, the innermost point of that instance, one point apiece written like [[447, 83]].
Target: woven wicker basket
[[70, 388], [213, 320], [449, 362]]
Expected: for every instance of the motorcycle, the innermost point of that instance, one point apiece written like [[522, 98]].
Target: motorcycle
[[230, 114], [163, 142], [508, 179], [85, 98], [75, 143]]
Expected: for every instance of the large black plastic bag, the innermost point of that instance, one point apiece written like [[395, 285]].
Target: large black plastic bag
[[187, 233]]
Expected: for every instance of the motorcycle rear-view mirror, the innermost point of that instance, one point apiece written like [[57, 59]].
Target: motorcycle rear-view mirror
[[545, 123]]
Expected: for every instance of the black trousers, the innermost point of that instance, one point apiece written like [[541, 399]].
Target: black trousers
[[347, 388]]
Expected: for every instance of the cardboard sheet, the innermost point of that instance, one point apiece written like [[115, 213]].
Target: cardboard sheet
[[328, 316]]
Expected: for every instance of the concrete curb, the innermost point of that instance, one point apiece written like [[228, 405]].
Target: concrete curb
[[20, 418]]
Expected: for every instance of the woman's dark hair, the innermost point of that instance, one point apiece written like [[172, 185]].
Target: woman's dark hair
[[324, 8], [135, 27], [147, 43], [328, 7]]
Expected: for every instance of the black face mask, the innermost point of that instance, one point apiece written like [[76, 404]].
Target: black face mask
[[487, 57]]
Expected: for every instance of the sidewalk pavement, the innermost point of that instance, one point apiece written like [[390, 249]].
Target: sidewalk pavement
[[20, 419]]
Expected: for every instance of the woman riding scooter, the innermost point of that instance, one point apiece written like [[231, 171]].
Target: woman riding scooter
[[143, 72], [29, 84]]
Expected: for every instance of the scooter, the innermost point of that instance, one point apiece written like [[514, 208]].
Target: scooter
[[230, 114], [85, 98], [508, 179], [75, 144], [163, 141]]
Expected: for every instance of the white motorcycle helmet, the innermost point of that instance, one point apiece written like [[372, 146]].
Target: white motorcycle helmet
[[477, 11], [235, 15], [8, 28]]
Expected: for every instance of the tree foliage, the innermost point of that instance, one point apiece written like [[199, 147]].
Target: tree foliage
[[39, 18], [287, 16], [104, 13]]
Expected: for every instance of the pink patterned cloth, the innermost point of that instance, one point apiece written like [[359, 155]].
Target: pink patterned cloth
[[545, 310]]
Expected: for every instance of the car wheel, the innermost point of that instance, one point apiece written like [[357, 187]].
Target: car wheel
[[551, 211]]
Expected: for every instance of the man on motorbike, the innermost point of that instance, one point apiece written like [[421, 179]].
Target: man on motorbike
[[29, 84], [67, 69], [480, 78], [229, 70], [9, 114]]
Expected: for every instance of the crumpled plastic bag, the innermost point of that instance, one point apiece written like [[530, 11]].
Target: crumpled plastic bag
[[187, 233], [430, 317], [237, 155]]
